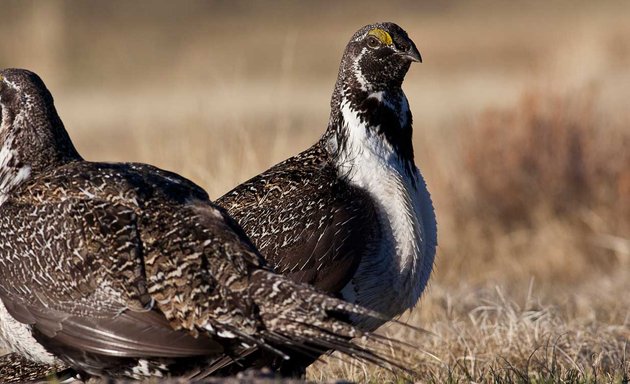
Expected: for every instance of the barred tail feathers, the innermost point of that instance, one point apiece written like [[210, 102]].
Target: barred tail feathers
[[302, 318]]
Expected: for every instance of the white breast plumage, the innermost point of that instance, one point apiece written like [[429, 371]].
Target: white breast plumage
[[17, 337], [10, 177], [391, 278]]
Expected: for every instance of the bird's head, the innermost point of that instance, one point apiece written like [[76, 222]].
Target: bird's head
[[22, 94], [368, 106], [378, 56], [31, 131], [20, 85]]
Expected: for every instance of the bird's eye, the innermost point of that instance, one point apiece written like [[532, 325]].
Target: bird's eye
[[373, 42]]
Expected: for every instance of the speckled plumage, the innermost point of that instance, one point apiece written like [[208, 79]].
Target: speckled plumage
[[14, 368], [128, 270], [308, 221], [353, 206]]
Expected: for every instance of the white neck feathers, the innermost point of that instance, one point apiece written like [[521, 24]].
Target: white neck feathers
[[392, 278], [10, 176]]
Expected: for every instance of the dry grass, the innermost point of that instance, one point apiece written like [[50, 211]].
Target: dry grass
[[483, 336], [521, 130]]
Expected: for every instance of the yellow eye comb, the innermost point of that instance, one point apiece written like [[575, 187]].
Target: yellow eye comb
[[380, 34]]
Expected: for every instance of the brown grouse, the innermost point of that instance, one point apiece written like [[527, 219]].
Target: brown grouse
[[352, 214], [126, 270]]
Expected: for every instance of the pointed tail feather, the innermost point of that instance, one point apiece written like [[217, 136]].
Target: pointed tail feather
[[302, 319]]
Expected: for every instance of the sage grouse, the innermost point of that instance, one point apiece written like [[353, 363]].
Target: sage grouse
[[352, 214], [126, 270]]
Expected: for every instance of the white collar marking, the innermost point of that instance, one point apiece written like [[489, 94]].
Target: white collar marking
[[392, 277]]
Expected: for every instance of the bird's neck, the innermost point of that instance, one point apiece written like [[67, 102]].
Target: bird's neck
[[369, 138], [378, 122], [31, 141], [12, 172]]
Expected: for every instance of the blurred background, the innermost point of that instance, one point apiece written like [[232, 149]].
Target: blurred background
[[522, 130]]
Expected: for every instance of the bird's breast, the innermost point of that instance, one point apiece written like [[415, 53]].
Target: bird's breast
[[392, 274]]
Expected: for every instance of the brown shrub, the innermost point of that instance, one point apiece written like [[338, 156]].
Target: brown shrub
[[551, 153], [543, 191]]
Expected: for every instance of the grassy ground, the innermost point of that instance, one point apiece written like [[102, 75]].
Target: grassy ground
[[521, 129]]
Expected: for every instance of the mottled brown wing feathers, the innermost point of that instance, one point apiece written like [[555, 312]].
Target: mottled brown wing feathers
[[309, 224], [15, 368], [130, 334], [327, 256], [85, 309]]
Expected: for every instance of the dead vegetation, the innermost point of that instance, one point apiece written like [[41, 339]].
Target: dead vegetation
[[551, 155], [483, 336], [545, 183], [521, 128]]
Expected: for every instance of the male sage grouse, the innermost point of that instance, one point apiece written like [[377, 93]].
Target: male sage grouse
[[126, 270], [352, 214]]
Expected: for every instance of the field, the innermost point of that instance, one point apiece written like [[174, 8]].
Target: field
[[521, 129]]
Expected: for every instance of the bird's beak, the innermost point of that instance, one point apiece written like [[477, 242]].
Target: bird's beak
[[412, 54]]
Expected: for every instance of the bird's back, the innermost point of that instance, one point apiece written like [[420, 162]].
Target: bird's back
[[108, 259]]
